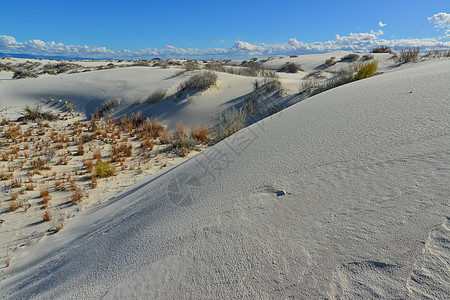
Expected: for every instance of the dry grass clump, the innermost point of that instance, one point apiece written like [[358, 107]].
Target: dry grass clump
[[39, 164], [13, 205], [97, 154], [80, 148], [76, 196], [15, 183], [200, 133], [88, 165], [6, 176], [120, 151], [47, 216], [181, 141]]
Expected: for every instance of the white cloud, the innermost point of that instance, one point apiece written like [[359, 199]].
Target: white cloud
[[381, 24], [441, 19], [8, 42], [240, 49], [293, 42]]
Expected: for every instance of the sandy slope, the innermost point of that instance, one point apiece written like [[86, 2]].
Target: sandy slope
[[344, 195]]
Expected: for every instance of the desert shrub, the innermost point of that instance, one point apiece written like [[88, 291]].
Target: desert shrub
[[350, 57], [408, 55], [214, 66], [191, 65], [290, 67], [232, 121], [20, 73], [329, 62], [141, 63], [8, 67], [36, 113], [106, 107], [308, 86], [104, 169], [367, 57], [315, 74], [156, 96], [381, 49], [162, 64], [85, 137], [181, 141], [367, 70], [199, 81], [253, 67], [270, 86], [62, 67], [437, 53], [334, 82]]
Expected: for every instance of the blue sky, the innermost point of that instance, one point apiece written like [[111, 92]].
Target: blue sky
[[199, 28]]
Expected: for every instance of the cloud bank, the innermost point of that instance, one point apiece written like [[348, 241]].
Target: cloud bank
[[240, 49]]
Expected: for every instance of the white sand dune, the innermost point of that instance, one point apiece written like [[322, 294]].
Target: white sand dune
[[342, 196]]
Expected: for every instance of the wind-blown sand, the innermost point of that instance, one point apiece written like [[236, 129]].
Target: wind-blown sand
[[342, 196]]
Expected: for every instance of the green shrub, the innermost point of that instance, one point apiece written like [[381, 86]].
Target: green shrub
[[104, 169], [367, 70]]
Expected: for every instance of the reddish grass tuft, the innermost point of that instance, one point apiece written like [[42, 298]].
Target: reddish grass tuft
[[47, 216], [200, 133]]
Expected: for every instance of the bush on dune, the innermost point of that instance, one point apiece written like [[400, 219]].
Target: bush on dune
[[104, 169], [231, 122], [199, 81], [366, 71], [408, 55], [156, 96], [36, 113], [290, 67], [381, 49]]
